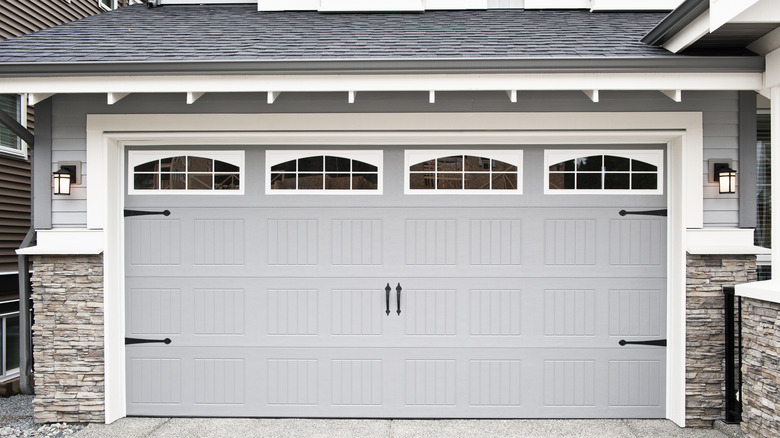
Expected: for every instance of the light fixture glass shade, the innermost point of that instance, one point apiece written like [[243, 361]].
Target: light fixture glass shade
[[62, 182], [727, 181]]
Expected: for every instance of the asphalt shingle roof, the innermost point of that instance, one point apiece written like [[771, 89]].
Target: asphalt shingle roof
[[241, 33]]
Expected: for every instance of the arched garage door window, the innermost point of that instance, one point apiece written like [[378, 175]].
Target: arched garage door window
[[180, 172], [463, 172], [604, 172], [324, 172]]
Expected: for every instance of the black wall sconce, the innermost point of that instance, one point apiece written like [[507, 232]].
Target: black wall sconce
[[65, 177], [722, 173]]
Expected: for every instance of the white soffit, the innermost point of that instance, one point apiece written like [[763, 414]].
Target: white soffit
[[371, 6], [723, 11]]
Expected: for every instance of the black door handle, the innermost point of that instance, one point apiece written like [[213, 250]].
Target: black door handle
[[129, 213], [655, 342], [130, 341], [398, 297], [387, 299]]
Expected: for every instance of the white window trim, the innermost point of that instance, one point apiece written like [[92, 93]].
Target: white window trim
[[104, 7], [23, 148], [274, 157], [650, 156], [414, 156], [136, 157]]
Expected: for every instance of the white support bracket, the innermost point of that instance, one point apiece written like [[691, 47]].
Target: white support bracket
[[675, 95], [431, 96], [512, 95], [34, 98], [193, 96], [592, 94], [112, 98], [272, 95], [351, 96]]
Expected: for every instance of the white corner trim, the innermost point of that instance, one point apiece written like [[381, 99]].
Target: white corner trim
[[722, 241], [768, 290], [66, 241]]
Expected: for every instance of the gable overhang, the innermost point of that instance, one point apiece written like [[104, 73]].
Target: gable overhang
[[670, 75]]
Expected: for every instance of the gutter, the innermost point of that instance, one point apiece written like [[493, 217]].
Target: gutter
[[662, 64], [676, 21]]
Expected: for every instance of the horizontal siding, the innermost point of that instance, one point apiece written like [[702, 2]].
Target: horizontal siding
[[720, 111], [20, 17], [14, 209]]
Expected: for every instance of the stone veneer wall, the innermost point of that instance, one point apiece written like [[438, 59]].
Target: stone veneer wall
[[760, 368], [68, 338], [705, 332]]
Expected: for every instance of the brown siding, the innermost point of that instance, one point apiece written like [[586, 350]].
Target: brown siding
[[20, 17]]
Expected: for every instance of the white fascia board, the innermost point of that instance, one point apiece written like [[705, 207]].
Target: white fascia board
[[636, 5], [772, 75], [201, 2], [723, 11], [371, 6], [287, 5], [557, 4], [455, 4], [66, 241], [382, 82], [689, 34], [766, 43], [764, 11]]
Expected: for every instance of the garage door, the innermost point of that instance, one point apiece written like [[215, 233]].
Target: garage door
[[494, 283]]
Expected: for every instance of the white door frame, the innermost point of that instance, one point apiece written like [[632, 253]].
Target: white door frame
[[107, 136]]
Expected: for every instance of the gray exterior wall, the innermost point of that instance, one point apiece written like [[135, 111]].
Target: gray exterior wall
[[720, 109]]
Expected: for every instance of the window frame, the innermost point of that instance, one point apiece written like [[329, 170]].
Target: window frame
[[105, 7], [510, 156], [650, 156], [137, 157], [374, 157], [6, 373], [22, 150]]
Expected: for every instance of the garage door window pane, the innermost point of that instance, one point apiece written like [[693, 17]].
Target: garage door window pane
[[614, 172], [197, 173], [463, 173], [323, 173]]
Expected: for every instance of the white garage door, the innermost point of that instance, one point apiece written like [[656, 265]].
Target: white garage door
[[396, 283]]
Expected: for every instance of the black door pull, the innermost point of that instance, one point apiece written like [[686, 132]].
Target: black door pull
[[655, 342], [131, 341], [644, 213], [398, 297], [129, 213], [387, 299]]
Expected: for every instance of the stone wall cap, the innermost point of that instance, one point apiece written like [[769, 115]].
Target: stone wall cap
[[768, 290], [66, 241], [727, 249]]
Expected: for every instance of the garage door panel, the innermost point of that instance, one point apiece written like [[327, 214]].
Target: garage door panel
[[510, 306]]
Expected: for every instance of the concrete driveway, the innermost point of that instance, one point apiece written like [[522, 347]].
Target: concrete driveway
[[282, 428]]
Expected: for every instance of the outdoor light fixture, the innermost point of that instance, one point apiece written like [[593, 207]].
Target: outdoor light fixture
[[727, 180], [724, 175], [62, 180]]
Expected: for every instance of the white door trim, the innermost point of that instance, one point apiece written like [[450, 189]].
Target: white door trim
[[107, 135]]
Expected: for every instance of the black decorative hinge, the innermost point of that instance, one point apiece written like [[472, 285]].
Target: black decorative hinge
[[130, 341], [655, 342], [644, 213], [129, 213]]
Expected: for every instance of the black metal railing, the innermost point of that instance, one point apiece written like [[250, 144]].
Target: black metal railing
[[733, 320]]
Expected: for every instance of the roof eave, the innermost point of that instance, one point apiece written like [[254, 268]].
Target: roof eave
[[688, 11], [410, 66]]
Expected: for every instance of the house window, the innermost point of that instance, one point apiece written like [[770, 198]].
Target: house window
[[10, 143], [107, 4], [324, 172], [195, 172], [463, 172], [604, 172], [9, 339]]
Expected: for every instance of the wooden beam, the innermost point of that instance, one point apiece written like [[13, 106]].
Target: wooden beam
[[34, 98], [592, 94], [192, 97], [272, 95], [113, 98], [512, 95], [351, 96], [675, 95], [431, 96]]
